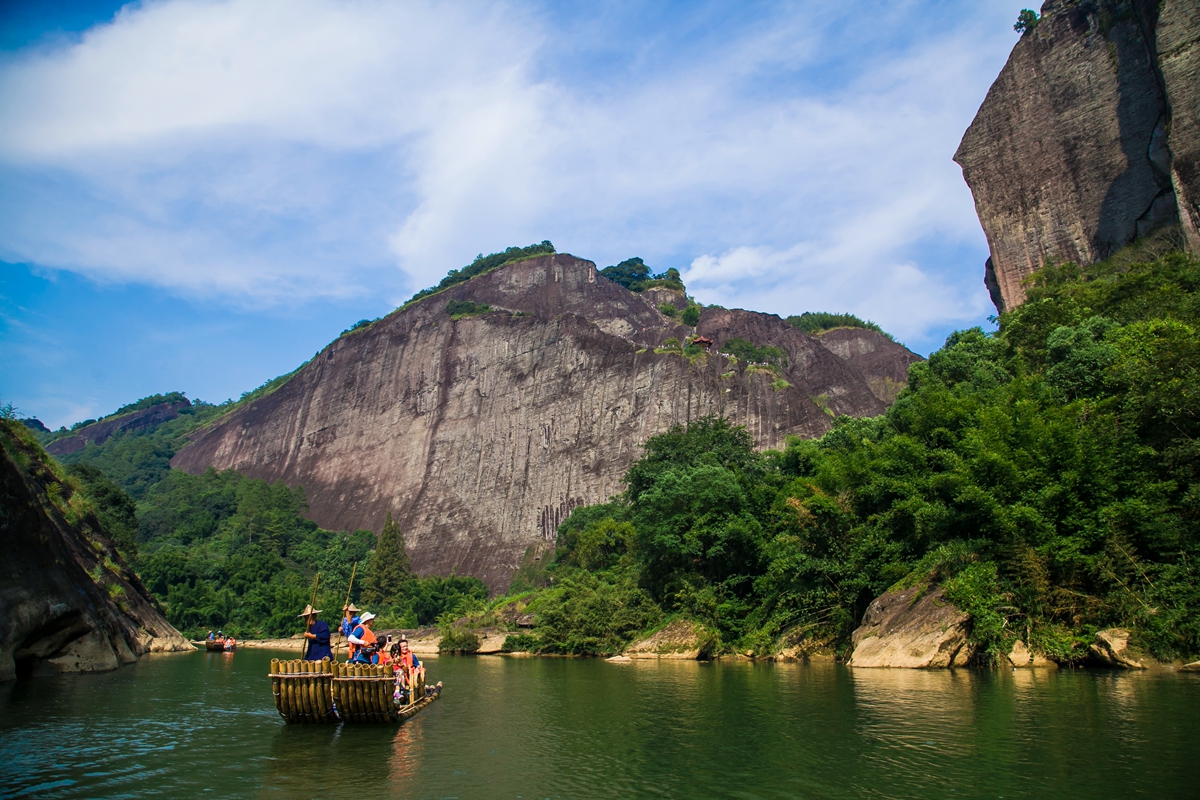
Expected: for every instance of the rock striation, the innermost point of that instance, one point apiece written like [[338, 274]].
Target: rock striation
[[68, 601], [1088, 138], [915, 628], [100, 432], [482, 433]]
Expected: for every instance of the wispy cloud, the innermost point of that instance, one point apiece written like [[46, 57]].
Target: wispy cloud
[[280, 151]]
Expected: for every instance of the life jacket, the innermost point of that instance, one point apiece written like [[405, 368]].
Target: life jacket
[[364, 633]]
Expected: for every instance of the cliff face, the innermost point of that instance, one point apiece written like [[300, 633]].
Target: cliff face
[[99, 432], [481, 434], [1088, 137], [68, 601], [883, 363]]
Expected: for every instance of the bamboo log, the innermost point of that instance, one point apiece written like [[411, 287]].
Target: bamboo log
[[356, 693], [285, 690], [323, 687], [275, 685], [302, 691], [311, 691]]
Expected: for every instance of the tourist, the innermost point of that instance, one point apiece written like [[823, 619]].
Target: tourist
[[317, 636], [363, 639]]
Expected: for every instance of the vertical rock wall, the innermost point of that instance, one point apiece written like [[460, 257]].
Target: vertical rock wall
[[1087, 138]]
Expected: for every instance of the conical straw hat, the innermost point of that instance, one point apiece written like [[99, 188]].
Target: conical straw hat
[[309, 610]]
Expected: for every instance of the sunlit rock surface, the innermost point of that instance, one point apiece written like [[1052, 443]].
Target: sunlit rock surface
[[481, 434], [914, 628]]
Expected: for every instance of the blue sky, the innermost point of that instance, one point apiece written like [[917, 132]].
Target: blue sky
[[198, 195]]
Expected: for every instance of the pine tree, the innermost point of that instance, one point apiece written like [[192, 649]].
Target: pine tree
[[389, 570]]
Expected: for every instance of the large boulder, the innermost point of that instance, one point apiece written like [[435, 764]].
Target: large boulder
[[68, 601], [1111, 649], [1022, 656], [915, 628], [682, 640]]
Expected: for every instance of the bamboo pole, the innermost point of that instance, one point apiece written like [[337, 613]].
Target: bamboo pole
[[308, 621], [346, 606]]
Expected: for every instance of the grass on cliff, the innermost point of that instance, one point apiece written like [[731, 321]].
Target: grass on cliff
[[1047, 477], [818, 322]]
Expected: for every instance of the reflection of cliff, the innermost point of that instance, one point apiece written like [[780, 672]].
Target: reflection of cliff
[[68, 602], [482, 433], [1089, 137]]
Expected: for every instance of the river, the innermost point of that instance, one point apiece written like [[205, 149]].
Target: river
[[203, 724]]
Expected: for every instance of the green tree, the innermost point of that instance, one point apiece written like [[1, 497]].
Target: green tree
[[389, 573], [1027, 20]]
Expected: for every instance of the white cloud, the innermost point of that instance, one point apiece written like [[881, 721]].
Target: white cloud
[[274, 150]]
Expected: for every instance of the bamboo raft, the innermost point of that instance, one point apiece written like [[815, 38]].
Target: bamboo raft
[[325, 692]]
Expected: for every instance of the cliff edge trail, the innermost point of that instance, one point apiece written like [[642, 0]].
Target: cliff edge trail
[[482, 425]]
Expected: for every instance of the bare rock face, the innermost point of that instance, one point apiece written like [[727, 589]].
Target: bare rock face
[[680, 640], [1021, 656], [1177, 41], [1088, 137], [99, 432], [914, 628], [1112, 649], [481, 434], [881, 361], [68, 601]]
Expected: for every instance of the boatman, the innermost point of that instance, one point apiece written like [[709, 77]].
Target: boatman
[[317, 636]]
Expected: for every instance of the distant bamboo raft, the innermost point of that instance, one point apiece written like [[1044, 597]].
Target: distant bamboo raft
[[326, 692]]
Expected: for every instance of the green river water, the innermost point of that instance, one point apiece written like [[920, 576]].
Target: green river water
[[203, 724]]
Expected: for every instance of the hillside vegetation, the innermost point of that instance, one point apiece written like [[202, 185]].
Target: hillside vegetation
[[1044, 476]]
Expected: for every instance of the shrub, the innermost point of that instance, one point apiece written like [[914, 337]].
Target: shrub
[[520, 643], [458, 309], [457, 639], [1027, 20]]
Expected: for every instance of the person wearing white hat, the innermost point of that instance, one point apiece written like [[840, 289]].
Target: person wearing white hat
[[363, 638], [317, 635]]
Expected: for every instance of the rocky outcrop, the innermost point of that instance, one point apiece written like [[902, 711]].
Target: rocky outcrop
[[1111, 649], [883, 362], [99, 432], [1088, 138], [68, 601], [1021, 656], [481, 434], [681, 640], [914, 628]]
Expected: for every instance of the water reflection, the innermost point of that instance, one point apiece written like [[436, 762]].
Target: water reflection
[[185, 725]]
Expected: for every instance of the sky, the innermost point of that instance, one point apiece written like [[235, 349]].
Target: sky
[[198, 195]]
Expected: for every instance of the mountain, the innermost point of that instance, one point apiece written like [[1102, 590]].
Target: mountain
[[482, 415], [122, 422], [1088, 139], [68, 600]]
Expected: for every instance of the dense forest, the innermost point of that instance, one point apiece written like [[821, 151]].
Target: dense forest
[[1045, 477]]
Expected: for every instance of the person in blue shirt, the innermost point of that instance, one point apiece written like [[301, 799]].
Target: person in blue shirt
[[317, 636]]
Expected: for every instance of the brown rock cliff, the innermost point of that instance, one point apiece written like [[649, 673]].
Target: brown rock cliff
[[1088, 137], [481, 434]]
